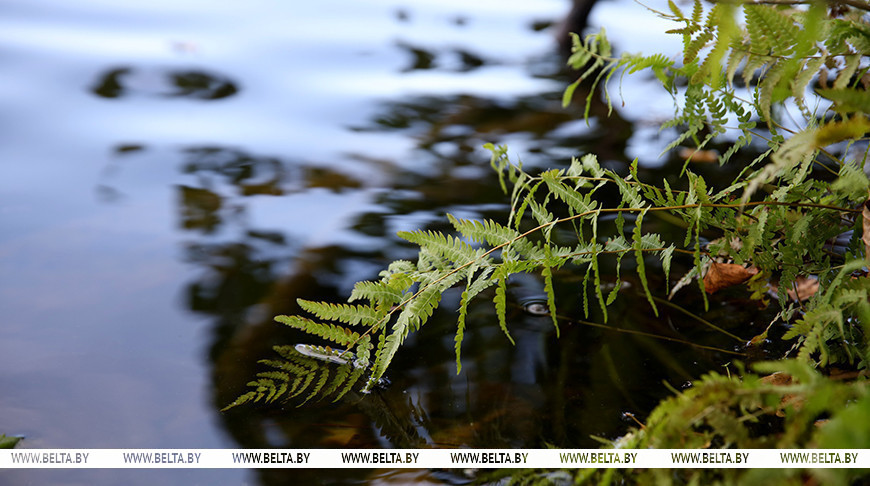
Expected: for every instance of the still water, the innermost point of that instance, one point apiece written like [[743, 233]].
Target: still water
[[178, 172]]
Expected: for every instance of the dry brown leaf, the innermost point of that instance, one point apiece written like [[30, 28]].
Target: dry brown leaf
[[803, 288], [723, 275], [777, 378], [782, 379], [698, 156]]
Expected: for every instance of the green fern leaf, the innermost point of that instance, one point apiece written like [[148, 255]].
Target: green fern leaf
[[630, 197], [378, 293], [799, 84], [568, 95], [666, 257], [342, 373], [845, 76], [754, 62], [596, 275], [641, 267], [691, 51], [267, 380], [363, 351], [486, 231], [349, 383], [391, 345], [774, 82], [473, 288], [500, 301], [318, 386], [250, 396], [770, 30], [301, 383], [697, 11], [578, 204], [591, 165], [348, 314], [460, 330], [547, 273], [851, 183], [621, 247], [543, 217], [496, 235], [676, 10], [337, 334], [517, 216], [847, 100], [446, 246], [736, 56]]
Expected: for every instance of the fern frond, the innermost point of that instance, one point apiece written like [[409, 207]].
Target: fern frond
[[446, 246], [754, 62], [770, 30], [340, 378], [496, 235], [690, 53], [348, 314], [736, 56], [621, 247], [337, 334], [544, 217], [637, 238], [847, 100], [578, 203], [486, 231], [319, 385], [845, 76], [771, 89], [500, 302], [475, 286], [547, 273], [596, 275], [378, 293], [351, 380], [799, 85]]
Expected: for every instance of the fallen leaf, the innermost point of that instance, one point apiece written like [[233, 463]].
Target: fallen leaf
[[777, 378], [802, 289], [789, 399], [723, 275]]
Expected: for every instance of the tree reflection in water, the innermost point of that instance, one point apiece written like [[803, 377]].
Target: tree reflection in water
[[169, 83], [541, 391]]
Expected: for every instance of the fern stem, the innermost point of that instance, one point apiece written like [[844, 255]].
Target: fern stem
[[654, 336], [699, 319]]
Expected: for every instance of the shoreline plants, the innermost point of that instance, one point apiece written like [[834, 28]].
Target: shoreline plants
[[791, 74]]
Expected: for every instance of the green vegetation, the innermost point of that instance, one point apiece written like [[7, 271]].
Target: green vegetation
[[7, 442], [738, 81]]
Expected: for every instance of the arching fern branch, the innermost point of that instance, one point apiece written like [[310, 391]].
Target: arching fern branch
[[385, 311]]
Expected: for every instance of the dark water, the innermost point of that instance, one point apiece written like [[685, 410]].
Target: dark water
[[176, 173]]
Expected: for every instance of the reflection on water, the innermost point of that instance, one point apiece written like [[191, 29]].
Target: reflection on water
[[316, 144], [126, 81]]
